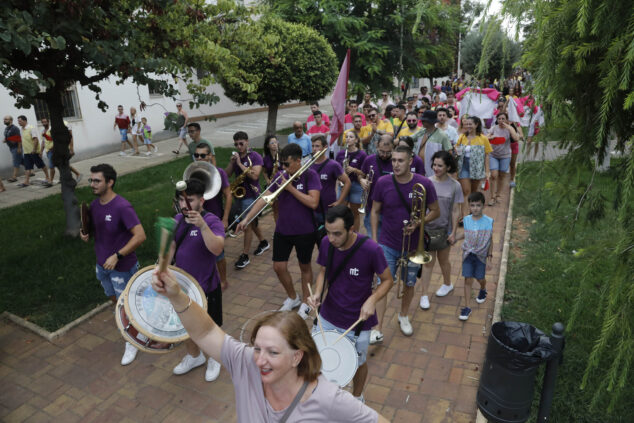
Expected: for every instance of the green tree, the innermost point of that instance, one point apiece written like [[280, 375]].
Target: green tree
[[49, 45], [387, 39], [498, 60], [292, 61], [581, 56]]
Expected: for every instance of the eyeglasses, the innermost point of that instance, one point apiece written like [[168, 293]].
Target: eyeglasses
[[95, 181], [201, 155], [384, 153], [192, 131], [372, 115]]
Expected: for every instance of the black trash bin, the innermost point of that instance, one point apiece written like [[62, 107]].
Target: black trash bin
[[514, 352]]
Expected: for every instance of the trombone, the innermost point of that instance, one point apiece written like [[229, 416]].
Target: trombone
[[420, 256], [270, 199]]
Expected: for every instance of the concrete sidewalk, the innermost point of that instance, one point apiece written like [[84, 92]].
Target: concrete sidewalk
[[219, 132]]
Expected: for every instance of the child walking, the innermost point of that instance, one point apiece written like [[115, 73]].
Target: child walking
[[147, 137], [477, 249]]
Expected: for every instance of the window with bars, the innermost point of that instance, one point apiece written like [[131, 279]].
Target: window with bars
[[70, 105]]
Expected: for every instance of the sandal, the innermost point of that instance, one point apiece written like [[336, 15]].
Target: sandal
[[12, 180], [23, 185], [175, 152]]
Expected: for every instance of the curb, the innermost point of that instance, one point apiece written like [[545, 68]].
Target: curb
[[499, 292], [49, 336]]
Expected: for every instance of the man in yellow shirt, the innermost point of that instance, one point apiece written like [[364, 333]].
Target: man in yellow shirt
[[370, 133], [358, 125], [32, 153], [410, 127]]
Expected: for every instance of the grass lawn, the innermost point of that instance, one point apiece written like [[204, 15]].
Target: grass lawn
[[50, 279], [543, 281]]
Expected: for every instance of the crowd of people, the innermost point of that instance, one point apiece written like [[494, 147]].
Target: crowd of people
[[405, 175]]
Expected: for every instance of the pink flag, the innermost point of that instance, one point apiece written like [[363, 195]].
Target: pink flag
[[338, 101]]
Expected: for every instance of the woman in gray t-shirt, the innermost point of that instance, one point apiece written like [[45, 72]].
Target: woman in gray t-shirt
[[450, 198], [277, 379]]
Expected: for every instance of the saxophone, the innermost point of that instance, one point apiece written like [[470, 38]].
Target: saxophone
[[366, 193], [276, 164], [237, 190]]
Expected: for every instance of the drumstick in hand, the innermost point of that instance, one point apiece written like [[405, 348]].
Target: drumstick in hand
[[165, 234], [347, 330], [310, 291]]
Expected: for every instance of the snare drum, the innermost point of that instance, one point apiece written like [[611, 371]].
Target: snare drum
[[147, 319], [339, 362]]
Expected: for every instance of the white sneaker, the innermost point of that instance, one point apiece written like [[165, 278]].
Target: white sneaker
[[148, 153], [213, 370], [424, 302], [155, 148], [375, 337], [121, 153], [405, 325], [129, 355], [444, 290], [304, 311], [290, 303], [188, 362]]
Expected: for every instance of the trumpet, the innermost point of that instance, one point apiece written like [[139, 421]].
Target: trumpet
[[270, 199], [237, 190], [420, 256], [366, 192]]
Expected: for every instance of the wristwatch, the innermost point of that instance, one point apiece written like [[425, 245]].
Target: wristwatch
[[119, 256]]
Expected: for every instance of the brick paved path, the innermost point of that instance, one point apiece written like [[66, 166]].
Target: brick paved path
[[431, 376]]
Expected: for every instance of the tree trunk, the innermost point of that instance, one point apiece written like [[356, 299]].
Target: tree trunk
[[271, 121], [61, 158]]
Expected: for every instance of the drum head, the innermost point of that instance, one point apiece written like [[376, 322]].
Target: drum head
[[151, 313], [339, 362]]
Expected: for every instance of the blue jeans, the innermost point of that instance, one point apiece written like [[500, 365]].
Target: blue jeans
[[361, 345], [114, 282], [392, 256]]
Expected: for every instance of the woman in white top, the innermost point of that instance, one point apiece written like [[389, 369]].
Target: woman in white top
[[277, 378], [445, 226], [137, 130]]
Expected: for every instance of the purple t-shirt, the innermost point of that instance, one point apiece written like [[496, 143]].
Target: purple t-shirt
[[330, 171], [393, 211], [294, 218], [215, 204], [353, 285], [193, 256], [355, 160], [380, 168], [249, 184], [112, 223], [327, 402], [269, 162], [418, 166]]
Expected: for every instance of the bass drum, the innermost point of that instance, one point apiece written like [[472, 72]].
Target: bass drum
[[147, 319]]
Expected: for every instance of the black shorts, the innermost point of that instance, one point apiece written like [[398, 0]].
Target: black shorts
[[31, 160], [283, 245], [214, 305]]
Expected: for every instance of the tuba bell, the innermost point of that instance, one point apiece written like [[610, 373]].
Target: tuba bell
[[207, 174]]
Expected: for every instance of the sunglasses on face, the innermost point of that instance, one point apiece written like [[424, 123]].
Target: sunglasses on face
[[285, 164], [238, 144], [179, 106], [372, 115], [411, 121], [201, 155]]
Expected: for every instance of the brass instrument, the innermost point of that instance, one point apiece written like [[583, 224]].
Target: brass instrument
[[420, 256], [204, 172], [270, 199], [237, 190], [346, 162], [366, 192], [276, 164]]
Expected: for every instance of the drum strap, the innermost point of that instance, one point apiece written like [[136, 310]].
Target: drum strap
[[291, 407]]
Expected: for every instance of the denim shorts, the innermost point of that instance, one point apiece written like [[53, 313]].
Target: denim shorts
[[501, 165], [114, 282], [361, 345], [33, 159], [472, 267], [392, 256], [147, 141], [49, 156], [355, 194], [124, 134], [368, 225], [464, 170], [182, 133], [16, 157]]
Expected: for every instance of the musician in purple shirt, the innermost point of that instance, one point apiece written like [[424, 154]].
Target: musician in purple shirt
[[380, 164], [392, 199], [349, 261], [295, 226], [118, 233], [199, 238]]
